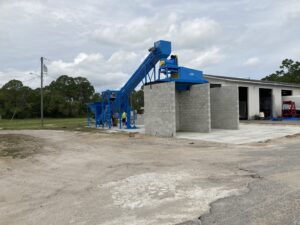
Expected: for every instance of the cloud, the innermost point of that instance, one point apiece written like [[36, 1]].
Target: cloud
[[252, 61], [28, 78], [104, 73], [196, 33], [203, 59], [186, 33], [106, 40]]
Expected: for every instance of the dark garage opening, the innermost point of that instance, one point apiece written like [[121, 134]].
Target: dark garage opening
[[265, 102], [286, 92], [243, 103]]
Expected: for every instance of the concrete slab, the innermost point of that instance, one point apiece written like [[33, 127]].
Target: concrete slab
[[248, 133], [139, 129]]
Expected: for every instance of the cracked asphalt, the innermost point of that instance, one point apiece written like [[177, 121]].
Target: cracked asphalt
[[274, 195]]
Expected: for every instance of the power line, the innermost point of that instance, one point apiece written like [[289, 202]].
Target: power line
[[50, 60], [34, 74], [30, 79], [51, 76]]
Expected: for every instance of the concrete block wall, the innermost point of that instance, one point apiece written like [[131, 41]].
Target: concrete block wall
[[177, 109], [139, 119], [224, 103], [160, 112], [193, 109]]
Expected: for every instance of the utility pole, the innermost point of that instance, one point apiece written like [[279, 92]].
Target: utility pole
[[42, 97]]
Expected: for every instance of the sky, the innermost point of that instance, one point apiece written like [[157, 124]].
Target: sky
[[106, 40]]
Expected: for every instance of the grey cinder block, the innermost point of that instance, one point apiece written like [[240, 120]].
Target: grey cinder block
[[224, 107]]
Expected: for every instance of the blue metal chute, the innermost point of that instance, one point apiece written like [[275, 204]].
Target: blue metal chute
[[161, 50]]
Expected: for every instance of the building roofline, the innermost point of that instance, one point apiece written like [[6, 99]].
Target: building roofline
[[250, 81]]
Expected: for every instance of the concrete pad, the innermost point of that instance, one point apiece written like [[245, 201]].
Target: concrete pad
[[248, 133], [139, 129]]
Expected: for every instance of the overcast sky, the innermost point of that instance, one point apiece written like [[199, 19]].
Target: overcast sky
[[105, 40]]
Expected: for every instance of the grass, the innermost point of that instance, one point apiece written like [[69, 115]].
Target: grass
[[66, 123]]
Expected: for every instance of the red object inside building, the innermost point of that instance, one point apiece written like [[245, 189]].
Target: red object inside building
[[288, 109]]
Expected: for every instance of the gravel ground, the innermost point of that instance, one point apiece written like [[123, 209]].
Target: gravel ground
[[99, 178]]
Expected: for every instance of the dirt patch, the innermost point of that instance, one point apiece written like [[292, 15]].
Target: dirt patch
[[18, 145]]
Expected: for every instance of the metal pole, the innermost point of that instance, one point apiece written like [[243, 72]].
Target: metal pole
[[42, 97]]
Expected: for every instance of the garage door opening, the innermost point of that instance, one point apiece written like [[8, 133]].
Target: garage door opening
[[265, 102], [243, 103]]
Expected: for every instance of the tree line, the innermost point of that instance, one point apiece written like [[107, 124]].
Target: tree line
[[64, 97], [289, 72]]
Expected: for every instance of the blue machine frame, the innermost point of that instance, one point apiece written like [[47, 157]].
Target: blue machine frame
[[114, 103]]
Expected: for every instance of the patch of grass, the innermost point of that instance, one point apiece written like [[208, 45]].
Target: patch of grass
[[66, 123], [18, 146]]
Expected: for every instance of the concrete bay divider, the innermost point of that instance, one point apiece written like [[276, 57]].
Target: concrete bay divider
[[224, 107], [160, 112], [193, 109]]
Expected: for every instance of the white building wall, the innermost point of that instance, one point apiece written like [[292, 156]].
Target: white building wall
[[277, 102], [296, 91], [253, 100], [253, 95]]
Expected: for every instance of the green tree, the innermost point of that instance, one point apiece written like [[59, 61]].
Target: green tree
[[137, 99], [96, 97], [68, 96], [15, 100], [64, 97], [84, 90], [289, 72]]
